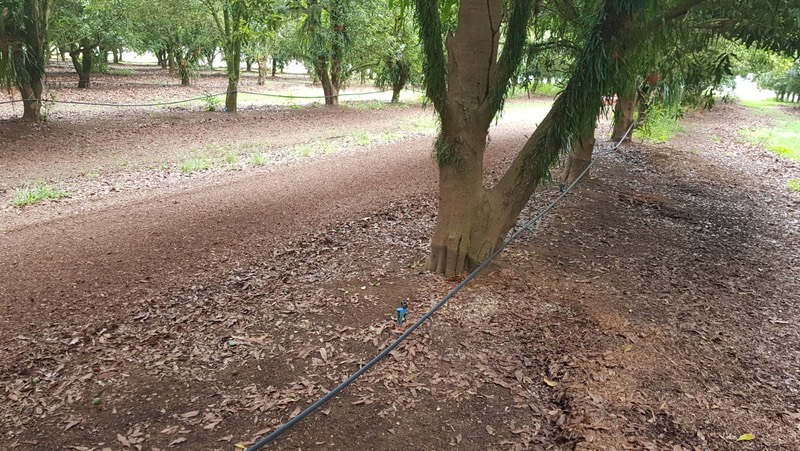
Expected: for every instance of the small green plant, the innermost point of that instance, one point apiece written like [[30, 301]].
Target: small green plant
[[259, 159], [40, 191], [793, 184], [213, 103], [660, 126], [193, 163], [230, 157], [368, 105], [715, 139]]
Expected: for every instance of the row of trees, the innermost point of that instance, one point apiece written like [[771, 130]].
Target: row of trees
[[472, 53], [336, 39]]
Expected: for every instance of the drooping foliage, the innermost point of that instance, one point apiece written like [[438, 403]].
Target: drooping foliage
[[24, 50]]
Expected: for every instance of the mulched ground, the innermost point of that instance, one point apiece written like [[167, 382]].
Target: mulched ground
[[656, 308]]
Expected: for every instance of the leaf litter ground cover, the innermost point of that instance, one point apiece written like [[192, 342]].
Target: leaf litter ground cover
[[655, 309]]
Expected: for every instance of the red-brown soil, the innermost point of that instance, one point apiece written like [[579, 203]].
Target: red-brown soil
[[655, 308]]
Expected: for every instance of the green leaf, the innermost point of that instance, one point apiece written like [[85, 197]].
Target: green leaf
[[746, 437]]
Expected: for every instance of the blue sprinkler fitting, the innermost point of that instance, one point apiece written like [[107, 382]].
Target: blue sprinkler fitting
[[402, 312]]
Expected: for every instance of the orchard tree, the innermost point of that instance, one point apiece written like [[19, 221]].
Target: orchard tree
[[397, 50], [467, 75], [23, 51], [467, 85], [326, 38], [82, 27], [178, 33], [235, 21]]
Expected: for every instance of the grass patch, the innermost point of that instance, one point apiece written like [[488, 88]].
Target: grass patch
[[194, 163], [660, 127], [764, 104], [230, 157], [368, 105], [120, 72], [793, 184], [259, 159], [37, 192], [783, 138]]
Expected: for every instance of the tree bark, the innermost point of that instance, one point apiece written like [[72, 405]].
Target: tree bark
[[262, 71], [274, 67], [31, 101], [234, 70], [623, 114], [579, 158], [328, 88], [465, 232]]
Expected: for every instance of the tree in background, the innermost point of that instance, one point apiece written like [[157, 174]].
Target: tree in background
[[235, 21], [398, 50], [325, 38], [82, 27], [24, 51]]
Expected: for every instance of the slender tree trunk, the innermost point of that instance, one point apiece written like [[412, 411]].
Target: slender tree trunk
[[274, 67], [623, 114], [262, 71], [399, 79], [248, 64], [579, 158], [234, 70]]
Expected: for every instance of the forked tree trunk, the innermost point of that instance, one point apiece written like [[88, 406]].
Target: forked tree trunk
[[623, 114], [474, 220], [463, 235], [330, 91], [579, 158], [82, 62]]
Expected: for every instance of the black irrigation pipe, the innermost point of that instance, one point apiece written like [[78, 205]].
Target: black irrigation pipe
[[194, 99], [289, 424]]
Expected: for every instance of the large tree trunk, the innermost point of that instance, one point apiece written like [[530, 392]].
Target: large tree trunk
[[328, 88], [33, 64], [579, 158], [623, 114], [464, 235], [472, 220], [32, 101], [161, 56]]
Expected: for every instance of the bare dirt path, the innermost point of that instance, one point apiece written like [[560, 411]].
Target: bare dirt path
[[656, 309]]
